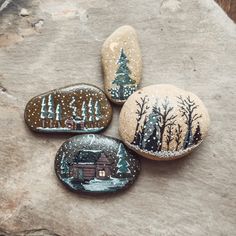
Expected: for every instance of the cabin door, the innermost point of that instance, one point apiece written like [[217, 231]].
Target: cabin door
[[80, 174]]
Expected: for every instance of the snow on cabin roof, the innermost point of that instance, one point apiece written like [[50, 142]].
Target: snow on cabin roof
[[77, 118], [87, 156]]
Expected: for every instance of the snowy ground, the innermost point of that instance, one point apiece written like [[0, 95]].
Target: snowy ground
[[165, 154], [97, 185], [110, 185], [67, 130]]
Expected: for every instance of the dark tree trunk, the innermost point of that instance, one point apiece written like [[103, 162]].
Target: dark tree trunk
[[135, 140], [177, 146], [162, 130], [121, 92], [168, 146]]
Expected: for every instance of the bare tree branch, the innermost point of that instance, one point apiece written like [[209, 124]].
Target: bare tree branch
[[196, 117]]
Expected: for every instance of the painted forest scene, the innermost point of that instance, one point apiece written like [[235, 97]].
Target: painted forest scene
[[78, 112], [162, 130], [94, 171], [124, 84], [90, 114]]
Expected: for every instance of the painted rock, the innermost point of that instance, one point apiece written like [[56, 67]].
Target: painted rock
[[81, 108], [163, 122], [122, 64], [95, 163]]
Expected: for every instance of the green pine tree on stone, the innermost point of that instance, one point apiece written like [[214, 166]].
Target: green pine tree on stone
[[58, 115], [122, 75], [51, 114], [91, 110], [98, 113], [64, 166], [122, 165], [84, 111], [43, 113]]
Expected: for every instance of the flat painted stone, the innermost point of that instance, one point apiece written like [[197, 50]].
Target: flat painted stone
[[122, 64], [96, 164], [80, 108], [163, 122]]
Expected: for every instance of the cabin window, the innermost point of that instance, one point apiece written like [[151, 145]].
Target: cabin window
[[102, 173]]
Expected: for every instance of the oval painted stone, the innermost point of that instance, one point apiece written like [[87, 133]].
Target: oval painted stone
[[80, 108], [163, 122], [95, 164], [122, 64]]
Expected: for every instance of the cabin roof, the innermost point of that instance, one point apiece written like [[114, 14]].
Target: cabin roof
[[87, 156]]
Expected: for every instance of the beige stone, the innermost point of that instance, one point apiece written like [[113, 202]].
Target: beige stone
[[163, 122], [119, 52]]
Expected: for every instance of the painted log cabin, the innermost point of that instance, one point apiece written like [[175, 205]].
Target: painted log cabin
[[90, 164]]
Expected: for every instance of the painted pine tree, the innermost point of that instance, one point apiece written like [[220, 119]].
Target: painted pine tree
[[122, 78], [197, 135], [122, 165], [91, 110], [64, 166], [58, 115], [43, 113], [84, 111], [73, 107], [152, 143], [51, 114], [151, 134], [98, 114]]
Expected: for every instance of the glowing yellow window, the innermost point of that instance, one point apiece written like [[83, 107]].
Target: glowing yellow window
[[101, 173]]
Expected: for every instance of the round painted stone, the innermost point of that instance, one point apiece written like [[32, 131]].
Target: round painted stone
[[80, 108], [163, 122], [96, 164], [122, 64]]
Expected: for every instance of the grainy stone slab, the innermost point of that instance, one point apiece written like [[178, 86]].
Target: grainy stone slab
[[190, 44]]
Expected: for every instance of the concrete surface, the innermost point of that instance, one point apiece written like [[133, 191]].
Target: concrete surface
[[190, 44]]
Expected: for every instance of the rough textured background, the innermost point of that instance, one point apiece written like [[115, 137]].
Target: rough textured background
[[190, 44]]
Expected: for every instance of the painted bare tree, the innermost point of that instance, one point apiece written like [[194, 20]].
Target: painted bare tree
[[165, 118], [187, 107], [141, 133], [169, 136], [141, 111], [178, 136]]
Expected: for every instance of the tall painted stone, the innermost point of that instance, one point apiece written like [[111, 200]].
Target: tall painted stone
[[122, 64]]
